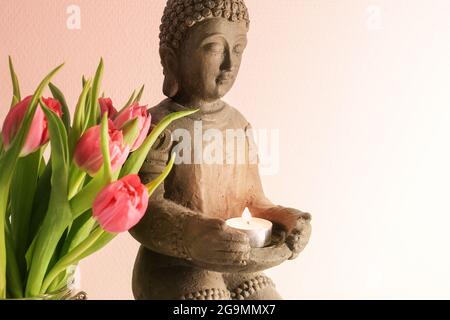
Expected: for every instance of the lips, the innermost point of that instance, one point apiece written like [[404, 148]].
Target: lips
[[226, 77]]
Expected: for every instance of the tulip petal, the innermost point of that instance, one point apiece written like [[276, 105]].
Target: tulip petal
[[121, 205], [143, 133], [37, 133], [88, 151], [106, 105], [13, 121]]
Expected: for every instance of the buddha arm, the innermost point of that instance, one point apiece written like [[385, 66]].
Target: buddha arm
[[262, 207], [161, 228], [259, 205], [297, 224]]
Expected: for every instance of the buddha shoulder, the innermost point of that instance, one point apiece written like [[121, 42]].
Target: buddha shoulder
[[237, 118], [159, 111]]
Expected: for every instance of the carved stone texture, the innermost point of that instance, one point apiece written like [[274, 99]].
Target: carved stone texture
[[187, 250], [180, 15]]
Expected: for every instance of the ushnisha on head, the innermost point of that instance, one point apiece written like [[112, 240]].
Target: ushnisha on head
[[201, 47]]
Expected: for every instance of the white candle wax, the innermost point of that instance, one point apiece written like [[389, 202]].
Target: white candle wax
[[258, 230]]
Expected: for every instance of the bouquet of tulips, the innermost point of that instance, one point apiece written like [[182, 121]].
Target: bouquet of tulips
[[56, 210]]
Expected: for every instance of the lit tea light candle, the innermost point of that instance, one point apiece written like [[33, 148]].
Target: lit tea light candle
[[258, 230]]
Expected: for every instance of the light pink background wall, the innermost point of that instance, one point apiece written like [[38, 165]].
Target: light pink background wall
[[360, 92]]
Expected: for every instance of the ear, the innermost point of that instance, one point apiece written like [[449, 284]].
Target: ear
[[169, 62]]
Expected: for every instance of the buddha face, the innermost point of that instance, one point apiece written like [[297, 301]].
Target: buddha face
[[209, 59]]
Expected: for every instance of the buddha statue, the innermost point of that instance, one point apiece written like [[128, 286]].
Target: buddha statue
[[188, 251]]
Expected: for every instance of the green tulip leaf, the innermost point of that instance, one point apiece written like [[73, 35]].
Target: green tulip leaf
[[58, 95], [84, 199], [153, 185], [8, 162], [93, 246], [15, 83], [101, 242], [87, 111], [71, 258], [139, 95], [59, 215], [40, 203], [42, 165], [23, 188], [29, 254], [128, 103], [94, 109], [79, 231], [15, 284], [80, 117]]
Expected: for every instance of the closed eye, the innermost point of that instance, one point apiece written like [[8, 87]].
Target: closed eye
[[214, 47], [239, 49]]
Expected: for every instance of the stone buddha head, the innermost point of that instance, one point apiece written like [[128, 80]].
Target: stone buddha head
[[201, 47]]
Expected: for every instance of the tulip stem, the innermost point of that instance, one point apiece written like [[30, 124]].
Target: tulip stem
[[71, 258], [76, 179], [105, 147], [82, 201], [2, 253], [15, 285]]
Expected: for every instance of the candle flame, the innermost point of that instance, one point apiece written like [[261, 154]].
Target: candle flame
[[247, 216]]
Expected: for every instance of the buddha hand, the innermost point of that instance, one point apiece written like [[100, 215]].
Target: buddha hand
[[299, 235], [212, 241]]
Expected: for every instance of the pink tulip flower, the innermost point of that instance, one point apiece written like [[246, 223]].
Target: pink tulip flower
[[144, 121], [38, 133], [88, 151], [121, 204], [106, 105]]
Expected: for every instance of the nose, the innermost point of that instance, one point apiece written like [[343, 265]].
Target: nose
[[229, 62]]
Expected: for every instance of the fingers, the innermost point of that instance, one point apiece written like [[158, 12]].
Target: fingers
[[236, 247], [306, 216], [298, 239], [230, 256], [234, 236], [215, 224], [224, 233], [226, 257], [240, 245], [230, 252], [220, 244], [302, 226]]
